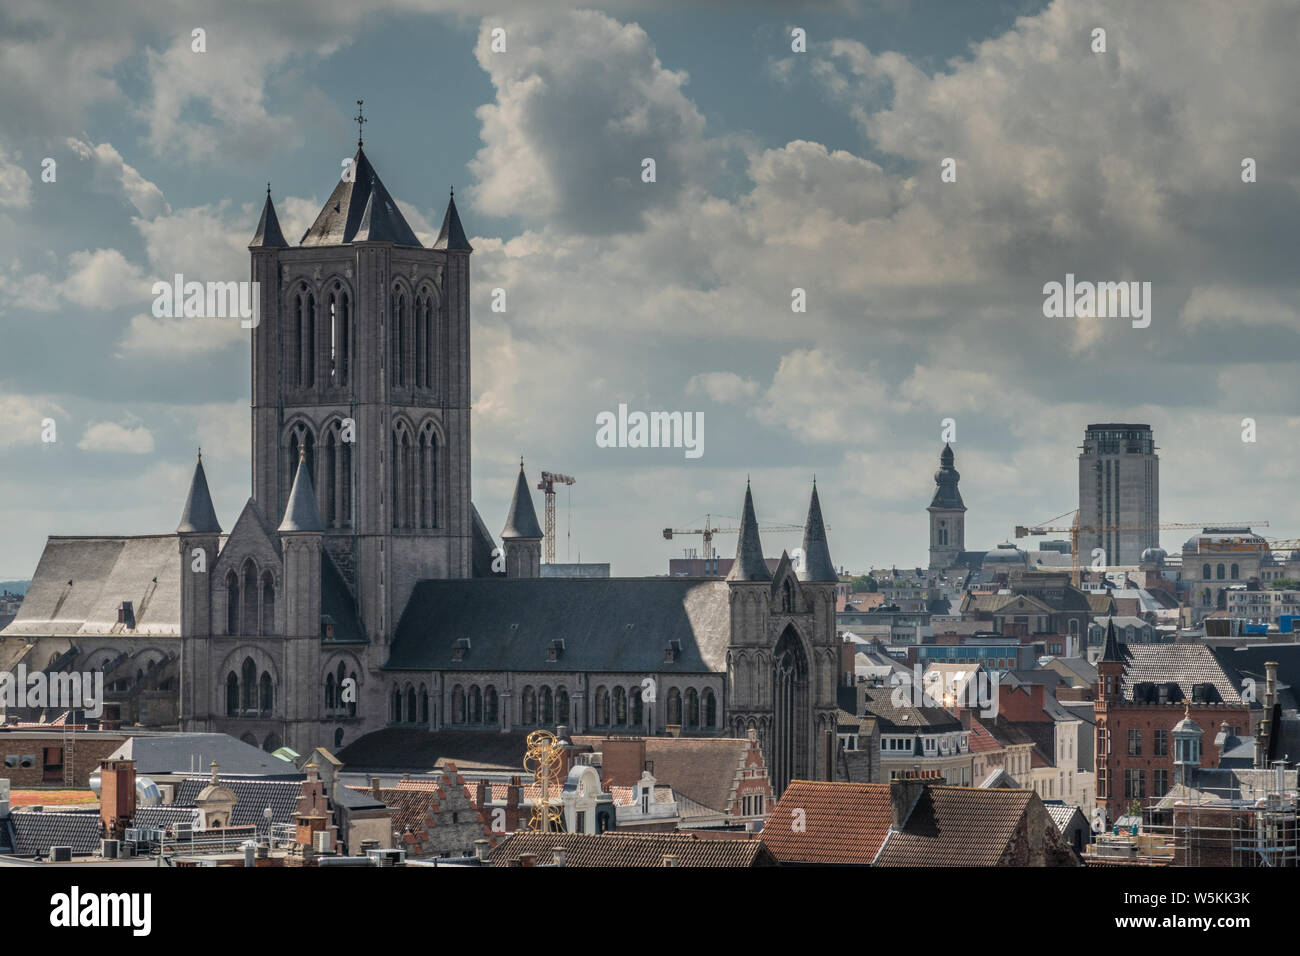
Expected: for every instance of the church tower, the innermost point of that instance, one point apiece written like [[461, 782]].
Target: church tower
[[947, 515], [522, 536], [783, 656], [361, 373]]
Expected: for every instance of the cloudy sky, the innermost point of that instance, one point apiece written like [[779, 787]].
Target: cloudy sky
[[776, 170]]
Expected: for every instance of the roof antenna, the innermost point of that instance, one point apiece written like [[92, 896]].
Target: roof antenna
[[360, 118]]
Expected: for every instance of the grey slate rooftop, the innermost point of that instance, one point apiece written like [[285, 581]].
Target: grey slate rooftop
[[818, 565], [341, 218], [103, 572], [621, 625], [749, 564], [253, 796], [193, 752], [34, 833], [522, 520], [1183, 664]]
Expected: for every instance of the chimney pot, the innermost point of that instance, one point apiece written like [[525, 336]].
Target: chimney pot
[[557, 855]]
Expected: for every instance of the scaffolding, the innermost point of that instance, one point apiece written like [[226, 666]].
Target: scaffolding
[[1250, 824]]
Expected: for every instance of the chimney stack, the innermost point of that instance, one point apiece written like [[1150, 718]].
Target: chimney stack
[[557, 855], [481, 848], [1270, 686], [525, 859], [904, 791], [116, 796]]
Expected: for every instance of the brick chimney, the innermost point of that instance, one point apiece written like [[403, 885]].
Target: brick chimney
[[904, 791], [116, 796]]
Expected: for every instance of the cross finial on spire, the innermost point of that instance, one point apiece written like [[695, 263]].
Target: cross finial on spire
[[200, 453], [268, 190], [453, 192], [521, 462], [360, 118]]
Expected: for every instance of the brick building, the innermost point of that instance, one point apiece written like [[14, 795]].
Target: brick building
[[1143, 691]]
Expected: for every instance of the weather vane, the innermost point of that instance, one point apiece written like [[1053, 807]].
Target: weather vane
[[360, 118]]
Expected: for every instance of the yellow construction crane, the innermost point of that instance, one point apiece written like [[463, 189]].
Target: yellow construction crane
[[1075, 530]]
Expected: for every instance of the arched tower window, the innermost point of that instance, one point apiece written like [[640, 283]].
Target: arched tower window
[[421, 342], [403, 477], [546, 706], [329, 692], [340, 342], [789, 752], [334, 494], [562, 706], [352, 704], [426, 484], [232, 695], [490, 712], [250, 591], [620, 706], [710, 709], [692, 708], [268, 603], [232, 602], [399, 338], [307, 338], [248, 684], [395, 705], [267, 703]]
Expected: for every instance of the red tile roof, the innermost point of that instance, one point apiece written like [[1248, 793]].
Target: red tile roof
[[957, 826], [838, 822]]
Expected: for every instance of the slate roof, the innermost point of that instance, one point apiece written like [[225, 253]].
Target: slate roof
[[253, 796], [411, 750], [621, 625], [104, 572], [482, 545], [192, 753], [301, 514], [337, 602], [522, 520], [199, 516], [162, 817], [633, 849], [452, 234], [701, 768], [749, 564], [817, 553], [1182, 664], [946, 494], [842, 823], [268, 233], [340, 219], [1061, 814], [957, 826], [878, 703], [35, 833]]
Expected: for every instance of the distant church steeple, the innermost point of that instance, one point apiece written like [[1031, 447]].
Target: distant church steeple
[[947, 524]]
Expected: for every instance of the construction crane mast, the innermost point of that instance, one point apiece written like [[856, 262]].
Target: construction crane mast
[[547, 485], [1075, 530]]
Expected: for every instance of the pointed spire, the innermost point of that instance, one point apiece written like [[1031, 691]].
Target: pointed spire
[[340, 218], [199, 517], [749, 564], [1111, 651], [452, 236], [301, 513], [268, 235], [522, 520], [816, 552]]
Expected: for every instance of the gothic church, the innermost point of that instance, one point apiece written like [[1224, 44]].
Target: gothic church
[[357, 589]]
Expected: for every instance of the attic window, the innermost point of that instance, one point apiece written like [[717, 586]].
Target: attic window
[[555, 650], [126, 614], [460, 649], [672, 652]]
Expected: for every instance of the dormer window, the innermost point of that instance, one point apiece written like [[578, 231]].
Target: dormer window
[[555, 650], [672, 652], [460, 649]]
